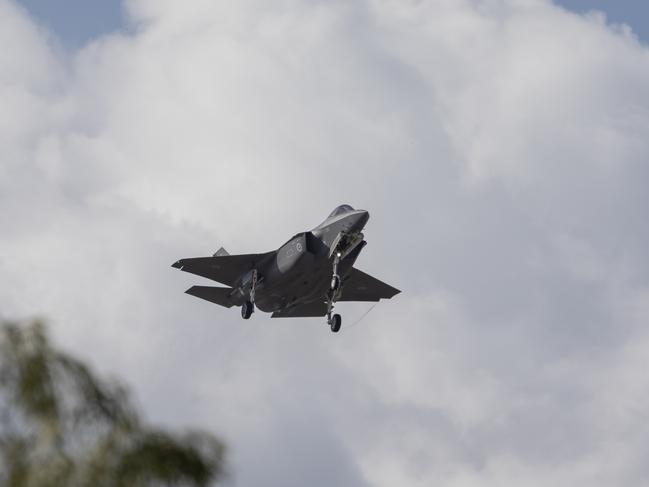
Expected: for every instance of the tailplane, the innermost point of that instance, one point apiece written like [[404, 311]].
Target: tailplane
[[217, 295]]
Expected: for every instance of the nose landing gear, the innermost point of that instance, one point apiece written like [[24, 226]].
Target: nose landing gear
[[335, 278], [335, 283], [334, 322]]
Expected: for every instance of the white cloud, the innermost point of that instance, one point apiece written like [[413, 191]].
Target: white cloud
[[501, 149]]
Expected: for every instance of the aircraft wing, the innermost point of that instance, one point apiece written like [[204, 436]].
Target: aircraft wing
[[358, 286], [217, 295], [226, 269], [316, 308]]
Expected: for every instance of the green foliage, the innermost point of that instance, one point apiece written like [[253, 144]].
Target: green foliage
[[60, 425]]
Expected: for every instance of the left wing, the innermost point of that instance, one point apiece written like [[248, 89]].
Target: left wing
[[358, 286], [221, 268]]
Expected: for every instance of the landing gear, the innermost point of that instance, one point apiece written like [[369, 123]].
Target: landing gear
[[335, 283], [334, 322], [253, 286], [335, 278], [247, 309]]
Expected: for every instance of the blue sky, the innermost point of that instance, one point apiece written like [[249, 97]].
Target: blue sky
[[77, 21], [631, 12], [80, 20]]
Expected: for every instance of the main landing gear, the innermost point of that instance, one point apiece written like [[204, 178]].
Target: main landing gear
[[248, 307]]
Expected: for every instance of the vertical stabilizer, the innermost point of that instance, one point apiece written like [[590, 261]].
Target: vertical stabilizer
[[221, 252]]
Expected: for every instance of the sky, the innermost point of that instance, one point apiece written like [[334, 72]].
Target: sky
[[501, 148], [78, 21]]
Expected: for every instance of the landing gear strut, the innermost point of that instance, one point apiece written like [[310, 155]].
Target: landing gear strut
[[253, 286], [335, 278], [248, 307]]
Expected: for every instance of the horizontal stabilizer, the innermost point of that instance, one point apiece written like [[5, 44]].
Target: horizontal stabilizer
[[358, 286], [217, 295]]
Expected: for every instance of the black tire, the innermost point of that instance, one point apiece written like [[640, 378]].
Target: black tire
[[335, 283], [246, 310], [336, 322]]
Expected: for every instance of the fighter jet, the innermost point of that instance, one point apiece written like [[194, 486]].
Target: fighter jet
[[304, 277]]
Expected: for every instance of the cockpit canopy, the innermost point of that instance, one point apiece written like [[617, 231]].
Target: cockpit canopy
[[340, 210]]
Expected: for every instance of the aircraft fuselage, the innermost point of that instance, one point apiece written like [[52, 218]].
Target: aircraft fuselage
[[301, 268]]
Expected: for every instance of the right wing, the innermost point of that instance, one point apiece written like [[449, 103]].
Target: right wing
[[358, 286], [226, 269]]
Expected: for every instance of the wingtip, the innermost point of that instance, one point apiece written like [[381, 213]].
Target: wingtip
[[178, 264]]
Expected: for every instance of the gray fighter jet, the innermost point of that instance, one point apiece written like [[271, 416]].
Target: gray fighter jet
[[304, 277]]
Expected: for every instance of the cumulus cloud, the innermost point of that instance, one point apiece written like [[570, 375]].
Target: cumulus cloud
[[500, 147]]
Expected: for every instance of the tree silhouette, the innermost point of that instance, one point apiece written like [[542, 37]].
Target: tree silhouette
[[61, 425]]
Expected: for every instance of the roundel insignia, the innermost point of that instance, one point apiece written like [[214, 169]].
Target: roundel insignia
[[299, 247]]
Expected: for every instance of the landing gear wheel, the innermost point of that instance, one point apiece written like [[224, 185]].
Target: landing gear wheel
[[246, 310], [335, 323], [335, 283]]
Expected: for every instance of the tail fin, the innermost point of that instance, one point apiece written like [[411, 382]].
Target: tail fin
[[220, 253]]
